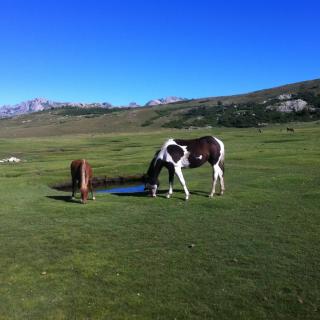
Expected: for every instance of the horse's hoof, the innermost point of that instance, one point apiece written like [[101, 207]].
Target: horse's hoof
[[93, 198], [168, 196], [187, 198]]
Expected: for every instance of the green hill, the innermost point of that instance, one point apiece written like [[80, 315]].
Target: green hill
[[253, 109]]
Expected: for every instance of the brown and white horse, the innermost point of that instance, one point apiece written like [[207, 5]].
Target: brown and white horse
[[176, 154], [81, 173]]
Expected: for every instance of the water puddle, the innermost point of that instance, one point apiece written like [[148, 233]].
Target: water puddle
[[123, 189]]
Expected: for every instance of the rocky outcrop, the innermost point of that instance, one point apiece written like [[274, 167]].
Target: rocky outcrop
[[285, 96], [289, 106]]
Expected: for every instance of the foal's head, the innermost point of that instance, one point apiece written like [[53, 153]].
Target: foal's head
[[84, 194]]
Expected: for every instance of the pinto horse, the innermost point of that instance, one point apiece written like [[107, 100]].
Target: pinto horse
[[176, 154], [81, 173]]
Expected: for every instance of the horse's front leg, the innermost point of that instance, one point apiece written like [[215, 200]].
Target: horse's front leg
[[179, 174], [171, 178], [91, 189]]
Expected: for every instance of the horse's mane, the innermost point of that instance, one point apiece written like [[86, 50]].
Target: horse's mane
[[83, 175]]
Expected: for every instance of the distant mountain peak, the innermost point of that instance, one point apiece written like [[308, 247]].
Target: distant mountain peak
[[166, 100]]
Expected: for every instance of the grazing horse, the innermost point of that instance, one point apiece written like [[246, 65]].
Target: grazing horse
[[290, 129], [176, 154], [81, 173]]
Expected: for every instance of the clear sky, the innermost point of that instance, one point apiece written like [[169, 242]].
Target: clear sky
[[121, 51]]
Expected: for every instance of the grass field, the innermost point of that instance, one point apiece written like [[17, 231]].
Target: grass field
[[251, 254]]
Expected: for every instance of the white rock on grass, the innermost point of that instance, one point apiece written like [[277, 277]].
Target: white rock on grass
[[11, 160]]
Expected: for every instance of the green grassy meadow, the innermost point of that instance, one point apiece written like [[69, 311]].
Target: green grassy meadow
[[250, 254]]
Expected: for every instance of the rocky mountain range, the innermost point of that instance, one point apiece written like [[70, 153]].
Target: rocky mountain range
[[40, 104]]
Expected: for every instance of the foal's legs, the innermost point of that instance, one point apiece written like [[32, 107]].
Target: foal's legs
[[182, 181], [171, 178], [91, 189], [74, 187]]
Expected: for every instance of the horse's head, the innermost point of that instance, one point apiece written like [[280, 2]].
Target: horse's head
[[84, 195], [151, 186], [151, 177]]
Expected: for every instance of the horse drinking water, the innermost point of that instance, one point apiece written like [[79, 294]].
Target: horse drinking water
[[176, 154], [81, 173]]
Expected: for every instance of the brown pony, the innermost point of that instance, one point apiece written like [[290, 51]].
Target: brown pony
[[81, 173]]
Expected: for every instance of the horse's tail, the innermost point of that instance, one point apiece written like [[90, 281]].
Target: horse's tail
[[222, 154], [221, 162], [84, 178]]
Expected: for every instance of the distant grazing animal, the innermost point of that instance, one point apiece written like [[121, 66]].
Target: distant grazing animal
[[176, 154], [81, 173], [290, 129]]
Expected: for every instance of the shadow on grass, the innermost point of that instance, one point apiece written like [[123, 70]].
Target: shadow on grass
[[160, 193], [62, 198], [134, 194]]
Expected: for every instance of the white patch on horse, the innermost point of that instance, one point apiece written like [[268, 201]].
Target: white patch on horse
[[163, 152], [165, 155], [184, 161], [200, 157]]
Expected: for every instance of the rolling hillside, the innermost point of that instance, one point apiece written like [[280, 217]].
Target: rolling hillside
[[294, 102]]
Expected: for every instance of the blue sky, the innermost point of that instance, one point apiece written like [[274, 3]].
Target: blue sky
[[121, 51]]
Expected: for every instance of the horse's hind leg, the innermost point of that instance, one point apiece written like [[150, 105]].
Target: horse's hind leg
[[217, 173]]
